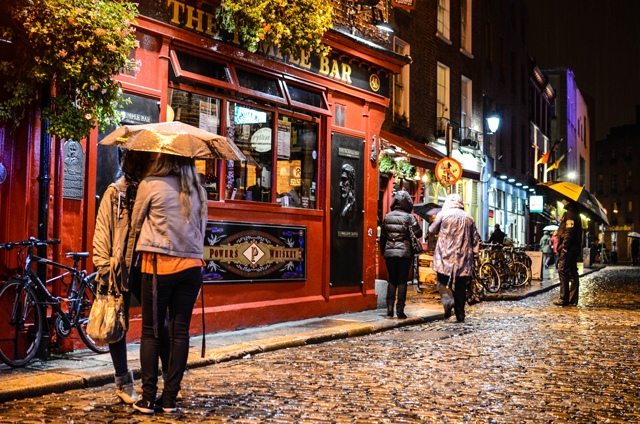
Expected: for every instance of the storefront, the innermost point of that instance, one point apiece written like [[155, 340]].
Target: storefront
[[292, 230]]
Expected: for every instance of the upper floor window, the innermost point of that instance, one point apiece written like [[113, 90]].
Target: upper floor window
[[443, 100], [401, 85], [444, 17], [466, 102], [465, 22]]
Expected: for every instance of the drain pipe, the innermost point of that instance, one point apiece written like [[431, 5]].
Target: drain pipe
[[44, 179]]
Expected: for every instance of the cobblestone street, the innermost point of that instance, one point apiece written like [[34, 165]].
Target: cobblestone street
[[525, 361]]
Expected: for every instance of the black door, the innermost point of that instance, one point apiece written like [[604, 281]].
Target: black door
[[346, 197]]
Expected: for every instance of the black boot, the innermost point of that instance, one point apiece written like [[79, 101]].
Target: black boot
[[390, 312]]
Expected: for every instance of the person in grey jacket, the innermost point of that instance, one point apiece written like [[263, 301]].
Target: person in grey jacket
[[458, 243], [170, 215], [395, 245], [113, 252]]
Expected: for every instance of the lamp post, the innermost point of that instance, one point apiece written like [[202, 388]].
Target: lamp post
[[490, 125]]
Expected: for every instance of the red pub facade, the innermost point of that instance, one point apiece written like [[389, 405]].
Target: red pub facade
[[292, 230]]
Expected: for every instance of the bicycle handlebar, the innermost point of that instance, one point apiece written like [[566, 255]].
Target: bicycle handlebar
[[32, 241]]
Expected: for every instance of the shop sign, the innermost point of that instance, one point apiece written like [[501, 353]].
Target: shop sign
[[240, 252], [202, 19]]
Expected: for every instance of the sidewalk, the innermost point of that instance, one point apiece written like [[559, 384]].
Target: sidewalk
[[82, 369]]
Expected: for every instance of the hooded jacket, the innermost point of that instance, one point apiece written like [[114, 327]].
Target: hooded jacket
[[160, 221], [111, 236], [458, 239], [394, 234]]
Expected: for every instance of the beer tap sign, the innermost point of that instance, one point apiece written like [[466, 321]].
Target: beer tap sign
[[448, 171]]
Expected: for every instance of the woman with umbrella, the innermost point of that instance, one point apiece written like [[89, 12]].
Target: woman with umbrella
[[170, 215]]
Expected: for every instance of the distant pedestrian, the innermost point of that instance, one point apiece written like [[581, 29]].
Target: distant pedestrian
[[569, 249], [635, 249], [554, 247], [395, 244], [546, 249], [170, 215], [497, 236], [453, 259]]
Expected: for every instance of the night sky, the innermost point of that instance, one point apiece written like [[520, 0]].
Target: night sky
[[600, 41]]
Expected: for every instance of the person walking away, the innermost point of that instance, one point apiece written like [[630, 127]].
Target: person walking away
[[497, 236], [395, 244], [170, 215], [453, 259], [545, 248], [554, 247], [569, 250], [112, 243], [635, 248]]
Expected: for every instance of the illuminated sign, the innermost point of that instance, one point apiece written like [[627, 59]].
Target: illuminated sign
[[236, 252], [536, 203]]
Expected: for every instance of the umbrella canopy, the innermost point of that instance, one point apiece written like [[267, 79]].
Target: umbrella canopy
[[174, 138], [425, 210], [633, 234], [579, 195], [550, 227]]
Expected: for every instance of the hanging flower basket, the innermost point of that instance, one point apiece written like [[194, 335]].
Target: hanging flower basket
[[73, 49]]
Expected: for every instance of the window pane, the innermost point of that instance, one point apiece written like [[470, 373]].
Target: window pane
[[305, 96], [202, 112], [297, 170], [259, 83], [201, 66], [251, 129]]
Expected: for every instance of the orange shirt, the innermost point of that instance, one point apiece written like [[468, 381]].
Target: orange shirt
[[168, 264]]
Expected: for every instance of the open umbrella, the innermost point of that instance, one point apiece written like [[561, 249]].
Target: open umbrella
[[425, 210], [579, 195], [633, 234], [174, 138], [550, 227]]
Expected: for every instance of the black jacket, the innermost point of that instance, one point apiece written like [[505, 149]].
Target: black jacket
[[570, 234], [394, 234]]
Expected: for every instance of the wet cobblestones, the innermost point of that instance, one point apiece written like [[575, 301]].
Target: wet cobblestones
[[525, 361]]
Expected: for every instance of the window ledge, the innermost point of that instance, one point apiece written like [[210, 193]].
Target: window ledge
[[467, 53], [443, 38]]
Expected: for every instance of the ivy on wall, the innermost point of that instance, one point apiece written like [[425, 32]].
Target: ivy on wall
[[72, 48]]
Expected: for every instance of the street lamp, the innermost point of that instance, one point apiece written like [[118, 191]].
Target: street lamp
[[493, 121]]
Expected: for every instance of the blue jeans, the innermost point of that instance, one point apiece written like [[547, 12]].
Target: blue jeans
[[176, 295]]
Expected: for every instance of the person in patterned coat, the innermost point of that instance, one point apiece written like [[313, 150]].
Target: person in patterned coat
[[458, 243]]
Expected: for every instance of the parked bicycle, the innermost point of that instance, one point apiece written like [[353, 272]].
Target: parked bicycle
[[25, 299]]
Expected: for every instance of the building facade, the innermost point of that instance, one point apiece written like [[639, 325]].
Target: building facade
[[292, 230]]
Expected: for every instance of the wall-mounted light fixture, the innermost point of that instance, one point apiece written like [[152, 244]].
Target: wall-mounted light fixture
[[493, 122]]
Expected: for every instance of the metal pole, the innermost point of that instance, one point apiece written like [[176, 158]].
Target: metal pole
[[43, 179]]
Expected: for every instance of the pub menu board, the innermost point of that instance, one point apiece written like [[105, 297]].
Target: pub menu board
[[241, 252]]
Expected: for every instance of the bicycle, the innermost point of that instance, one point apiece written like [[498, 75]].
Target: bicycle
[[24, 301]]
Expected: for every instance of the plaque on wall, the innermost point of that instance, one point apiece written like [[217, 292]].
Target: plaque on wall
[[73, 174], [240, 252]]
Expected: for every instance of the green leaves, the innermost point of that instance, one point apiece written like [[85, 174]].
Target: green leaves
[[76, 47], [292, 27], [399, 168]]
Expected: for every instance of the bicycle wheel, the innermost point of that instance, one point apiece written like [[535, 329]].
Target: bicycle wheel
[[21, 323], [520, 274], [87, 294], [489, 277]]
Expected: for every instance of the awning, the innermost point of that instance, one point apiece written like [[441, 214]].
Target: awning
[[419, 154]]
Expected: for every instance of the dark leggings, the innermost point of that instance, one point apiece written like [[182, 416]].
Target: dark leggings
[[177, 294], [118, 350], [398, 269]]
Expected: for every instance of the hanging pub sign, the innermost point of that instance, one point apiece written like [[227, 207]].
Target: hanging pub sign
[[240, 252], [404, 4], [448, 171]]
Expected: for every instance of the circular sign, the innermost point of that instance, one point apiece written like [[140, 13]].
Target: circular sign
[[374, 82], [261, 140], [448, 171]]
